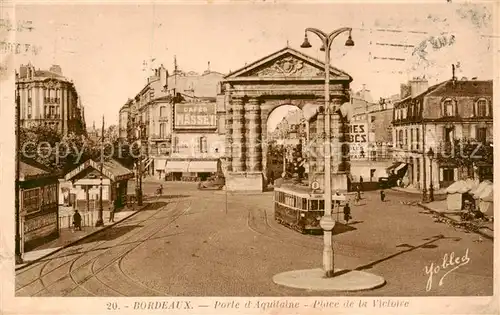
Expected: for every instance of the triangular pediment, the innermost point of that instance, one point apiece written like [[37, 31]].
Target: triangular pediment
[[287, 63]]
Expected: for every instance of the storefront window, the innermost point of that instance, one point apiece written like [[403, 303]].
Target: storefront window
[[31, 200]]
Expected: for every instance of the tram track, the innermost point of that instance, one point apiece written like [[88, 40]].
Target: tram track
[[95, 272], [73, 260], [41, 275]]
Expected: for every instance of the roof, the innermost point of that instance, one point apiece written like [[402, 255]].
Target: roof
[[111, 169], [463, 88], [282, 52], [453, 88], [204, 85], [47, 73], [30, 169], [116, 168]]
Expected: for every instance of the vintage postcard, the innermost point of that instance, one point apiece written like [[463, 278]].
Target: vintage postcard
[[248, 157]]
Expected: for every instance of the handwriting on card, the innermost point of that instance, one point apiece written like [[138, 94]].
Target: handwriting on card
[[449, 263]]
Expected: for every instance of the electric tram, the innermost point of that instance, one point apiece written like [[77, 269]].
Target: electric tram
[[301, 209]]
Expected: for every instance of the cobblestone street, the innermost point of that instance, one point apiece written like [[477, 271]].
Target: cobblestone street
[[188, 243]]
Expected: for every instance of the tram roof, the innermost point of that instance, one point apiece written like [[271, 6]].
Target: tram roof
[[299, 191]]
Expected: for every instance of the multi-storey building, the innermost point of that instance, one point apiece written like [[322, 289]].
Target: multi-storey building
[[178, 120], [48, 98], [433, 117], [370, 154], [123, 121]]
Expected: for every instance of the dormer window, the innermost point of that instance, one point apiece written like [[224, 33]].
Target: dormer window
[[448, 108], [481, 108]]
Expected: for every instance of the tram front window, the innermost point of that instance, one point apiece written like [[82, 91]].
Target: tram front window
[[314, 205]]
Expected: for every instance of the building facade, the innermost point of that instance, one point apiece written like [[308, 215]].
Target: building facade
[[434, 117], [177, 119], [38, 209], [370, 151], [48, 98]]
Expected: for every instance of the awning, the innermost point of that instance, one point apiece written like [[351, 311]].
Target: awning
[[400, 167], [203, 166], [176, 166], [393, 166], [160, 164]]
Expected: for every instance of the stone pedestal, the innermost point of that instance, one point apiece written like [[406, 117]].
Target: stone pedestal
[[339, 181], [245, 181]]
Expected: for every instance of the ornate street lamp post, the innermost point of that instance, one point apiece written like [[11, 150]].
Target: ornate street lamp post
[[327, 222], [430, 154]]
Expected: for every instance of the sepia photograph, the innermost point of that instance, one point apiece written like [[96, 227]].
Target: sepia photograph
[[248, 157]]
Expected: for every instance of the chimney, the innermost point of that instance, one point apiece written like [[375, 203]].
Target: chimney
[[56, 69], [418, 86], [163, 77], [23, 71]]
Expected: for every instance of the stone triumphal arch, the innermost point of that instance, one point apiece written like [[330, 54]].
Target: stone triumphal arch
[[286, 77]]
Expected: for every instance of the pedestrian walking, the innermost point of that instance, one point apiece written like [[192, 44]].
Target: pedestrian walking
[[77, 221], [337, 202], [358, 192], [347, 213], [356, 199], [382, 195], [271, 177], [112, 210], [360, 182]]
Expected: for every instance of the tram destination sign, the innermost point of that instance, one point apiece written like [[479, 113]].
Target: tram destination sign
[[196, 116]]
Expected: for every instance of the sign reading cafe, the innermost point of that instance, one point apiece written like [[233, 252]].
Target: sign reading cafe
[[195, 116]]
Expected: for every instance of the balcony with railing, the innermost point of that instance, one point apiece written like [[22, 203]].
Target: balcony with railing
[[159, 137], [52, 100], [53, 116]]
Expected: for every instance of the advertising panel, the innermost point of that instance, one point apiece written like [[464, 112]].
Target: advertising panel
[[195, 116], [357, 137]]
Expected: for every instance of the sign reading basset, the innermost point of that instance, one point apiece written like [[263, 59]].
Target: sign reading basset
[[195, 116]]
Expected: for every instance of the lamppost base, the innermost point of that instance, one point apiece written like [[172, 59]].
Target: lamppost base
[[99, 222], [138, 196], [342, 280], [19, 259]]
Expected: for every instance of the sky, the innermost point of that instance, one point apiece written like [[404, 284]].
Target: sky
[[102, 48]]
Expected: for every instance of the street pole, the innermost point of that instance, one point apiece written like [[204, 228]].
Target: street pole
[[100, 221], [138, 188], [18, 255], [431, 187], [424, 189], [327, 222]]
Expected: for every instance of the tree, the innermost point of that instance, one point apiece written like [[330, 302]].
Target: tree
[[465, 154], [49, 147]]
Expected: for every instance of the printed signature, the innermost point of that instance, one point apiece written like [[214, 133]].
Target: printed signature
[[449, 261]]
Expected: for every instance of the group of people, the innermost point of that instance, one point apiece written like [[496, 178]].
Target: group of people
[[77, 217], [357, 198]]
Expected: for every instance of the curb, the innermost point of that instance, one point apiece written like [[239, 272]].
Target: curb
[[454, 220], [31, 262], [414, 192]]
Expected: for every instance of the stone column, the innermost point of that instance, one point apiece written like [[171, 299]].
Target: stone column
[[238, 152], [229, 137], [253, 144]]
